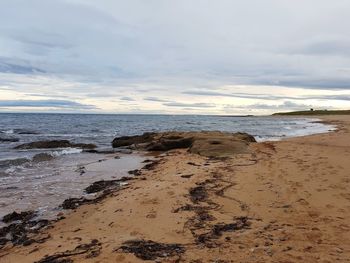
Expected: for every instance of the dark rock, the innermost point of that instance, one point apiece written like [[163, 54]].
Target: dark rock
[[91, 151], [54, 144], [150, 250], [170, 144], [42, 157], [18, 233], [25, 132], [84, 145], [130, 140], [100, 151], [14, 216], [9, 139], [73, 203], [151, 166], [135, 172], [244, 136]]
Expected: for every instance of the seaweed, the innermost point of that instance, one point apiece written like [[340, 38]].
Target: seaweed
[[93, 249], [150, 250]]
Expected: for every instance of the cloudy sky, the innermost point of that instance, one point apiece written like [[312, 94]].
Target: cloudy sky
[[162, 56]]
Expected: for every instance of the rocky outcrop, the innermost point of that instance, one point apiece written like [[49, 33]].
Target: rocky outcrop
[[211, 144], [133, 140], [54, 144]]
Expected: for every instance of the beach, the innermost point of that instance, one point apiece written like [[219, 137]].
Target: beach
[[280, 201]]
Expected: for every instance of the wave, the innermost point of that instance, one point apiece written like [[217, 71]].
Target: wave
[[40, 157], [13, 162], [19, 131], [66, 152]]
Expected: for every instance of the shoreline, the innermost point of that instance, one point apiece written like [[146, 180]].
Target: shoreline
[[195, 208], [60, 178]]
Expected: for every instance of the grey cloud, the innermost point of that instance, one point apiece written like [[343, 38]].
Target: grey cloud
[[337, 46], [46, 95], [47, 40], [325, 84], [344, 97], [155, 99], [133, 41], [127, 99], [62, 104], [234, 95], [286, 105], [330, 97], [8, 65], [189, 105]]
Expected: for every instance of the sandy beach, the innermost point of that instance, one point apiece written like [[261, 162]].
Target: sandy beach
[[285, 201]]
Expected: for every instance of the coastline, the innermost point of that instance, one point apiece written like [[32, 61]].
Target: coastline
[[284, 201]]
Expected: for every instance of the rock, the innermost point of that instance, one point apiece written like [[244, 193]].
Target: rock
[[73, 203], [169, 144], [151, 165], [105, 151], [244, 137], [210, 144], [42, 157], [54, 144], [9, 139], [130, 140], [19, 233], [25, 132], [135, 172], [14, 216], [83, 145]]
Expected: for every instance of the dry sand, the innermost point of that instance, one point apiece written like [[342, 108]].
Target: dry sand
[[286, 201]]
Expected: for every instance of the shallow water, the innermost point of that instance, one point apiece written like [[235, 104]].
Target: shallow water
[[44, 186]]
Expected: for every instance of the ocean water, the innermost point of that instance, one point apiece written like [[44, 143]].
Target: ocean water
[[101, 129], [25, 184]]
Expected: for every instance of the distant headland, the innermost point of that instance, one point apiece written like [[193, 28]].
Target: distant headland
[[314, 112]]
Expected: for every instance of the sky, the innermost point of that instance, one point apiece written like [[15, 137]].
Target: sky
[[174, 57]]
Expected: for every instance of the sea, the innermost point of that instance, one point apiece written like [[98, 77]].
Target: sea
[[29, 185]]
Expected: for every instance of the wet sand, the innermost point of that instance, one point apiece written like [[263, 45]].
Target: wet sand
[[285, 201]]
